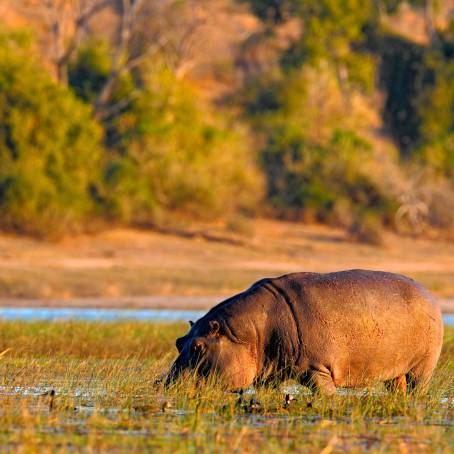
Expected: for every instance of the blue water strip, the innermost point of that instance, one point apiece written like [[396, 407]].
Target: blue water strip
[[55, 314], [154, 315]]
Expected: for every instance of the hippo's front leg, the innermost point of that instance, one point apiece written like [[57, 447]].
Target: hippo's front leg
[[319, 379]]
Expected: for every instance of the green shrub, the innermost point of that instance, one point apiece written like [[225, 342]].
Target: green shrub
[[169, 151], [89, 71], [435, 108], [313, 159], [419, 106], [88, 74], [178, 155], [367, 228], [49, 147], [304, 175]]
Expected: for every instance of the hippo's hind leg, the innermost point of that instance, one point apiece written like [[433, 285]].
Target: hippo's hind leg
[[409, 383], [418, 379], [419, 376], [398, 384], [319, 380]]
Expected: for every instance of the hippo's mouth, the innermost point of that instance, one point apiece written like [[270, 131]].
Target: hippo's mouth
[[195, 366]]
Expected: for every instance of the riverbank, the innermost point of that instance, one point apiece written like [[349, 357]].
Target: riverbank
[[121, 267]]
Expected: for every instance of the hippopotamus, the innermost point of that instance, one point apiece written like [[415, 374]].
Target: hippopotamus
[[343, 329]]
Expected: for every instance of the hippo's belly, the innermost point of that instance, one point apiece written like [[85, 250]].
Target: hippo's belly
[[366, 327]]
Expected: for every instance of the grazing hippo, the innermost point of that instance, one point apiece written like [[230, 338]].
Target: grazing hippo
[[349, 329]]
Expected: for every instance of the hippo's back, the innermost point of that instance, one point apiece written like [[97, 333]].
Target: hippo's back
[[362, 323]]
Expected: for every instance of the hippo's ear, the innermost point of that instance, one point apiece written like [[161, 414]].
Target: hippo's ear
[[214, 327], [191, 323]]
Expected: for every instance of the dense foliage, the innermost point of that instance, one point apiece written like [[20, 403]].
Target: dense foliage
[[316, 162], [435, 108], [178, 154], [319, 150], [140, 145], [50, 147], [166, 151]]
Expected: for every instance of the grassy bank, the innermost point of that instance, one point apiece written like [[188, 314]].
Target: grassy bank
[[105, 399], [123, 263]]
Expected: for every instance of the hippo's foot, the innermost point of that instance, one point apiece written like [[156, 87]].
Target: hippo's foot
[[319, 381], [415, 381], [398, 384]]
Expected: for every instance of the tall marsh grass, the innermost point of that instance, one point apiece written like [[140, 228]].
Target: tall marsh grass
[[91, 387]]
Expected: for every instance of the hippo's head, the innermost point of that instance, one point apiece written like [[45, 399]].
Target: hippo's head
[[211, 348]]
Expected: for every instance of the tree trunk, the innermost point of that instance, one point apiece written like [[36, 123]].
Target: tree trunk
[[429, 21]]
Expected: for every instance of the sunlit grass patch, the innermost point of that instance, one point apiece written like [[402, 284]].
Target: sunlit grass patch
[[77, 386]]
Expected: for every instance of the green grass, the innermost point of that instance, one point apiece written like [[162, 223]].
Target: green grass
[[107, 400]]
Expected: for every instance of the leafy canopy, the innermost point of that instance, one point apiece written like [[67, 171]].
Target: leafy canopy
[[177, 154], [49, 146]]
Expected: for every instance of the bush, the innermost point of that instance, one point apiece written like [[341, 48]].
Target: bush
[[49, 147], [441, 207], [419, 106], [314, 161], [435, 108], [88, 73], [367, 228], [178, 155], [303, 175]]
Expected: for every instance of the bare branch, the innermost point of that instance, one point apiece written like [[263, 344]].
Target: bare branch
[[121, 63], [430, 22], [80, 23], [114, 109], [66, 22]]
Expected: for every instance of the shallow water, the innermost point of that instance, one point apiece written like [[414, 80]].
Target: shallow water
[[152, 315], [54, 314]]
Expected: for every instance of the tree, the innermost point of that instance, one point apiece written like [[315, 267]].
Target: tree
[[316, 162], [178, 155], [147, 29], [435, 110], [143, 29], [49, 147], [66, 23]]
